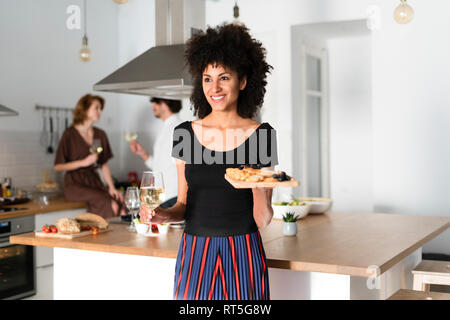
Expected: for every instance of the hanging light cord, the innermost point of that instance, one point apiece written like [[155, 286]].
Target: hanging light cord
[[85, 20]]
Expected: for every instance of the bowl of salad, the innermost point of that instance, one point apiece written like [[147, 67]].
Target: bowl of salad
[[297, 207]]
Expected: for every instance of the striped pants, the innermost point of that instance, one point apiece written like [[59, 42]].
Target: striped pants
[[221, 268]]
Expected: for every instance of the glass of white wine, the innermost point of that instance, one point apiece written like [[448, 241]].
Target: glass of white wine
[[152, 191], [96, 148], [131, 136]]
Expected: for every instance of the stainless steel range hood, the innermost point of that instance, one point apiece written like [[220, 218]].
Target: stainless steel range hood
[[5, 111], [160, 71]]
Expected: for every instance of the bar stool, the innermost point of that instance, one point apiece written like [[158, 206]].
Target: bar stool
[[431, 272]]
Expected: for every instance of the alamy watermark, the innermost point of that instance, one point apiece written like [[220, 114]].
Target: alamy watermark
[[254, 150], [373, 281], [73, 21]]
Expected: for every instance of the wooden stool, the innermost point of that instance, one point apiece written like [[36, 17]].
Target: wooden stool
[[431, 272], [404, 294]]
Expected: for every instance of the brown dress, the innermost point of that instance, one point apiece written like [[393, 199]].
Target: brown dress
[[84, 184]]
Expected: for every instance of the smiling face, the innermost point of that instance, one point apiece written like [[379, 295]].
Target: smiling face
[[221, 87], [95, 111]]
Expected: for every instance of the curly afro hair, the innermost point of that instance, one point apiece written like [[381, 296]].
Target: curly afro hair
[[233, 47]]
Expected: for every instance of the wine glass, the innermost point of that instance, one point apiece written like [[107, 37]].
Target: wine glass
[[152, 191], [96, 146], [132, 203], [131, 136]]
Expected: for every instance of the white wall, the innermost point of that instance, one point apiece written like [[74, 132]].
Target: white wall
[[350, 112]]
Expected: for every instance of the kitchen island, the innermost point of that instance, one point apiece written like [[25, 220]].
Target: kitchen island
[[334, 256]]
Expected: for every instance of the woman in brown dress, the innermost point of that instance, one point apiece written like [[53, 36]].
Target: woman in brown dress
[[82, 181]]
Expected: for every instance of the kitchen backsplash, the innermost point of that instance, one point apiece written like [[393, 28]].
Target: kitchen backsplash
[[23, 159]]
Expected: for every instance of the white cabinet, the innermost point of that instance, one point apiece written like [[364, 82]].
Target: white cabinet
[[44, 284]]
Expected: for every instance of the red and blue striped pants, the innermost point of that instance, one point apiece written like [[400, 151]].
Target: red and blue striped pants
[[221, 268]]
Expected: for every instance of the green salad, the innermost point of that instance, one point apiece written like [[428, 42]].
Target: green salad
[[292, 203]]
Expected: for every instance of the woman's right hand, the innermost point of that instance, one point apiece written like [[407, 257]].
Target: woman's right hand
[[90, 160], [155, 216]]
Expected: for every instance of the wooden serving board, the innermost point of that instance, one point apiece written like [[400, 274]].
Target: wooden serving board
[[263, 184], [58, 235]]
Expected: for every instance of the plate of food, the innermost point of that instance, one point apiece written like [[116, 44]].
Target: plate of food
[[247, 177], [67, 228]]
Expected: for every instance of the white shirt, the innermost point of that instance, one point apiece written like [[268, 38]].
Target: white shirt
[[161, 159]]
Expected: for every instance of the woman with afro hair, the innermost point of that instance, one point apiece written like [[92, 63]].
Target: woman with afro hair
[[221, 255]]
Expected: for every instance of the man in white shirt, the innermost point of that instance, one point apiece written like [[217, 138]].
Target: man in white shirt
[[161, 159]]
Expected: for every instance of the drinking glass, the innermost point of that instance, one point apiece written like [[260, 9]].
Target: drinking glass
[[132, 203], [131, 136], [152, 191], [96, 146]]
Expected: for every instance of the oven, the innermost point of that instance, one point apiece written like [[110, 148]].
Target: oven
[[17, 262]]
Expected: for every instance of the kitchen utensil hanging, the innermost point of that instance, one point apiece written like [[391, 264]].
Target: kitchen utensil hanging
[[50, 144], [44, 137], [57, 131], [51, 126]]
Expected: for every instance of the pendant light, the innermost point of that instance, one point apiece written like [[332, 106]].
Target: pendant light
[[85, 53], [236, 20], [120, 1], [404, 13]]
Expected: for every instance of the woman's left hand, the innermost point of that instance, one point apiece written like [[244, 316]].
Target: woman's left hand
[[115, 194]]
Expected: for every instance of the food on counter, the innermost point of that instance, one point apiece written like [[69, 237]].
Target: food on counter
[[95, 231], [68, 226], [91, 219]]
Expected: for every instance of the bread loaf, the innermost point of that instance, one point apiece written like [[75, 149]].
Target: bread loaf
[[89, 219], [68, 226]]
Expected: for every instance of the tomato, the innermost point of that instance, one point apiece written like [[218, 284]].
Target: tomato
[[46, 229], [95, 231], [53, 229]]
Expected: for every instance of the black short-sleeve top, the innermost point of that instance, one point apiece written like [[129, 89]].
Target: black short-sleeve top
[[214, 207]]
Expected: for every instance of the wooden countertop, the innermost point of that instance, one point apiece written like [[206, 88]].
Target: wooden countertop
[[32, 207], [340, 243]]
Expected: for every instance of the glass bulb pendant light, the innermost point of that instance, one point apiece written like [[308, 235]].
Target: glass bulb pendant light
[[236, 20], [404, 13], [85, 53]]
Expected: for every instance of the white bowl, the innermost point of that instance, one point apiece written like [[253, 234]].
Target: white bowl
[[318, 205], [142, 228], [300, 211], [163, 228]]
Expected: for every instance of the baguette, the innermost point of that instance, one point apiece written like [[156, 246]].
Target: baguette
[[89, 219]]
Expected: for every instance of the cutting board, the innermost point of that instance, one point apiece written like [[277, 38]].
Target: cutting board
[[245, 184], [68, 236]]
